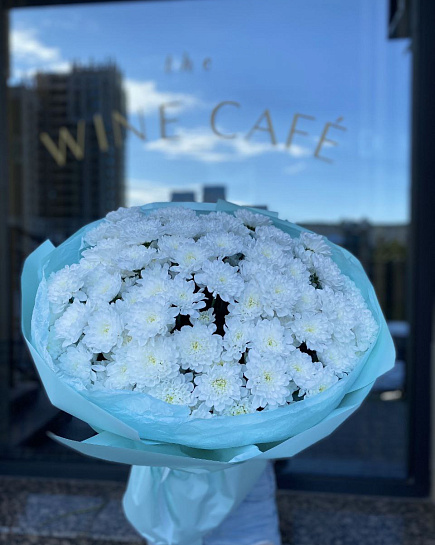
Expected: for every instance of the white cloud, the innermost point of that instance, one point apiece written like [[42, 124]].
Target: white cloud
[[143, 96], [146, 191], [30, 55], [26, 46], [202, 145]]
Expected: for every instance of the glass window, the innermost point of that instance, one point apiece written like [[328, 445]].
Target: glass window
[[300, 107]]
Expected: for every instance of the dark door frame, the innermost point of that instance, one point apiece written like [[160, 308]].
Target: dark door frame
[[421, 287]]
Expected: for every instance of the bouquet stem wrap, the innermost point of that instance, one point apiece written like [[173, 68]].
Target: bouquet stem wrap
[[178, 506], [190, 474]]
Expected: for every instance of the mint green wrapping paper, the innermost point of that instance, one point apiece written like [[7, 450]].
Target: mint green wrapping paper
[[210, 464]]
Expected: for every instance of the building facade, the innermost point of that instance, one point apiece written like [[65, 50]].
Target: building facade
[[66, 169]]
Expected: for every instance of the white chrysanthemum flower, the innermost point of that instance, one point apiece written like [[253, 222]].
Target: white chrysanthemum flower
[[134, 257], [223, 244], [147, 319], [177, 391], [298, 270], [280, 294], [250, 219], [301, 368], [327, 272], [130, 297], [198, 346], [104, 253], [219, 387], [170, 214], [267, 381], [143, 231], [127, 283], [244, 406], [206, 317], [251, 270], [103, 230], [353, 294], [200, 410], [315, 243], [221, 221], [133, 213], [184, 297], [343, 316], [188, 258], [220, 279], [190, 229], [104, 329], [339, 357], [64, 284], [320, 382], [102, 285], [119, 350], [365, 330], [230, 361], [249, 305], [237, 336], [267, 253], [119, 375], [153, 362], [69, 327], [308, 299], [156, 283], [271, 233], [76, 362], [168, 244], [313, 329], [270, 338]]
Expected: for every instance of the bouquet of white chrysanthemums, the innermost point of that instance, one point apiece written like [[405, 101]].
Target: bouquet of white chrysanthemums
[[200, 341], [225, 314]]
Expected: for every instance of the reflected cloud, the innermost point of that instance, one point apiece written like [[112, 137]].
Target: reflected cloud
[[32, 55], [26, 46], [143, 96], [202, 145], [146, 191]]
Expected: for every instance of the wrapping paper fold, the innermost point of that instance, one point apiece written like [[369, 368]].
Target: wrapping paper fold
[[188, 475]]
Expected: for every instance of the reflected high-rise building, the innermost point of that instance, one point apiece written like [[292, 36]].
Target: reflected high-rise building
[[71, 176], [80, 181], [183, 196], [212, 193], [23, 177]]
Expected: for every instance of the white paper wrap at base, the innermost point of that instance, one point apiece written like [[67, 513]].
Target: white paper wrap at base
[[177, 506], [139, 430], [255, 520]]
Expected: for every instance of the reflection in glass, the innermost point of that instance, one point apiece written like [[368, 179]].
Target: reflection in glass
[[299, 107]]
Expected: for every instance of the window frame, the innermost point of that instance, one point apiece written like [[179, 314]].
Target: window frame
[[421, 289]]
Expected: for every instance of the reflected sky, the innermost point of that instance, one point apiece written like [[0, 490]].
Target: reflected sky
[[326, 60]]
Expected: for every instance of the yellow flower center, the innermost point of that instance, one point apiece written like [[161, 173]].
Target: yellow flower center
[[196, 345], [219, 384]]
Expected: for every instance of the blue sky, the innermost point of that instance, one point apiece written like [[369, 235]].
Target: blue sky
[[322, 59]]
